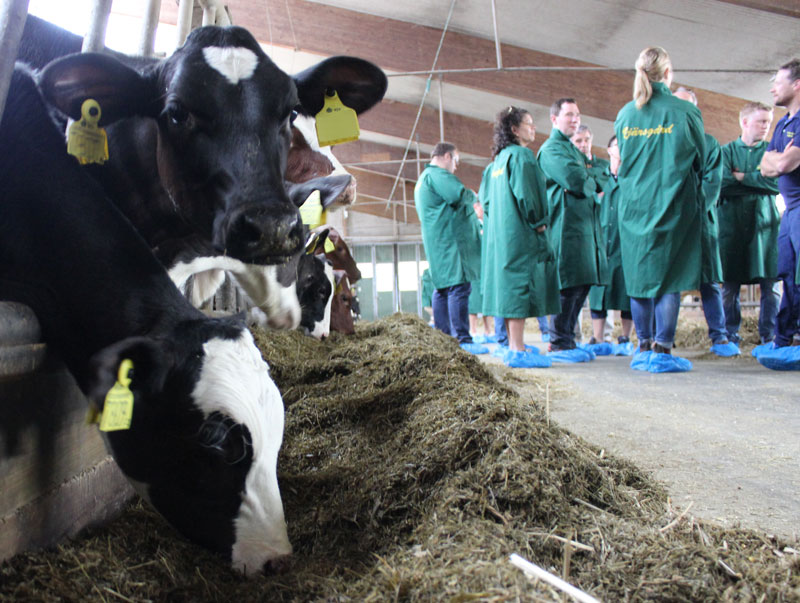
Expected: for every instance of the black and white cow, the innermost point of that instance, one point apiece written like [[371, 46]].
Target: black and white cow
[[207, 418]]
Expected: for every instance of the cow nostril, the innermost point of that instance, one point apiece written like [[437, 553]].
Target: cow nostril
[[278, 565]]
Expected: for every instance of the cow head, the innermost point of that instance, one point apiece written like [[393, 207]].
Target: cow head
[[340, 257], [342, 304], [206, 429], [223, 112]]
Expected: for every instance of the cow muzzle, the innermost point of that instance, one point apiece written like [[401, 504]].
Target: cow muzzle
[[261, 234]]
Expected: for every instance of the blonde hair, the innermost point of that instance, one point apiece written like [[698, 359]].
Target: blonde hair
[[651, 66], [751, 108]]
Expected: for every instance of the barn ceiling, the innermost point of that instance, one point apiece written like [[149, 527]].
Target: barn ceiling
[[725, 50]]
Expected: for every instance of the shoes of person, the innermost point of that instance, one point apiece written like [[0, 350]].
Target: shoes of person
[[479, 339], [623, 339], [598, 349], [526, 359], [760, 349], [474, 348], [592, 341], [546, 337], [667, 363], [490, 338], [570, 356], [641, 359], [660, 349], [624, 348], [726, 349], [785, 358], [499, 351]]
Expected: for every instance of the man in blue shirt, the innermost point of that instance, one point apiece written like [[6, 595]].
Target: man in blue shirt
[[782, 160]]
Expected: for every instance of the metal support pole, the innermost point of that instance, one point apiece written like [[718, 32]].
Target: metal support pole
[[147, 41], [419, 169], [12, 21], [209, 15], [95, 39], [184, 20], [496, 37], [441, 110]]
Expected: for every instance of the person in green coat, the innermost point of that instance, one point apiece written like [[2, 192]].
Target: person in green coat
[[662, 152], [749, 223], [444, 206], [597, 166], [520, 274], [710, 289], [475, 297], [575, 224], [613, 295]]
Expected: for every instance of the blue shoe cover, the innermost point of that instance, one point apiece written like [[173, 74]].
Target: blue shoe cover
[[764, 347], [546, 337], [571, 356], [623, 349], [490, 339], [726, 350], [532, 349], [786, 358], [500, 351], [479, 339], [599, 349], [667, 363], [474, 348], [641, 360], [517, 359]]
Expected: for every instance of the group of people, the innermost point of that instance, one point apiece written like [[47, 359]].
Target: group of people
[[671, 211]]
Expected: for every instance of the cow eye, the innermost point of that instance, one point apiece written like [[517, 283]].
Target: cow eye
[[178, 115], [224, 436], [293, 115]]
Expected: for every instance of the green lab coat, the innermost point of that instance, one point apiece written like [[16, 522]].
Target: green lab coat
[[427, 289], [599, 170], [520, 272], [443, 205], [748, 217], [662, 147], [474, 257], [575, 214], [712, 182], [612, 295]]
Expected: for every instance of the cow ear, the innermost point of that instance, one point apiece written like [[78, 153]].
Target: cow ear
[[329, 187], [150, 367], [359, 84], [120, 91]]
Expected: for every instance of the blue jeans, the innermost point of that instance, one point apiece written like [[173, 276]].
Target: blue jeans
[[656, 316], [500, 331], [711, 297], [770, 298], [562, 325], [788, 251], [451, 311], [544, 327]]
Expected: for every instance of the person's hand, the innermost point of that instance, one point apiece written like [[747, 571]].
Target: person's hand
[[738, 175], [542, 228]]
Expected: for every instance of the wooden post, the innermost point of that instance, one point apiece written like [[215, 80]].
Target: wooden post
[[12, 21]]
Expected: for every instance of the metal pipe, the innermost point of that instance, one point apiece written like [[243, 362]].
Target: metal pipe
[[95, 38], [441, 110], [12, 21], [184, 20], [431, 72], [147, 41], [496, 37]]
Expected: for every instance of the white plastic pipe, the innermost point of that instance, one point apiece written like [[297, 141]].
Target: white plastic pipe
[[95, 38], [12, 20], [545, 576], [147, 41], [184, 20]]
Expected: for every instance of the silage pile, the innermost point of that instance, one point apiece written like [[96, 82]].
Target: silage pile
[[409, 473]]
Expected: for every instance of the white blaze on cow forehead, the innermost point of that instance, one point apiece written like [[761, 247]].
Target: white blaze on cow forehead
[[322, 328], [235, 381], [234, 62]]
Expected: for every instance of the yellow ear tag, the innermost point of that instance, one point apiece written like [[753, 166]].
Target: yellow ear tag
[[336, 123], [85, 140], [312, 212], [329, 246], [118, 408]]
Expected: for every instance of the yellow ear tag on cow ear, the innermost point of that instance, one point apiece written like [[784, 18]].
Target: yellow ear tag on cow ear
[[85, 140], [329, 246], [336, 123], [312, 212], [118, 408]]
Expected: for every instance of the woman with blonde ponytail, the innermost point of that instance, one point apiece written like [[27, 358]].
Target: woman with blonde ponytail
[[662, 149]]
